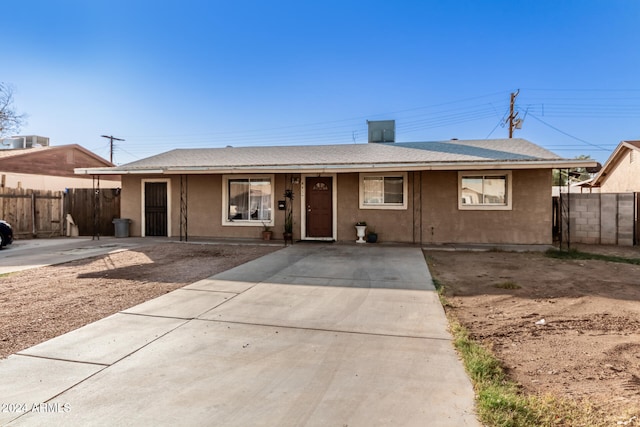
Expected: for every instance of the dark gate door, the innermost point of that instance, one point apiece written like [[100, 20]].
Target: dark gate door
[[155, 208], [319, 198], [80, 203]]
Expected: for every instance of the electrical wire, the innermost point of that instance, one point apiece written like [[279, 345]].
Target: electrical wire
[[595, 104], [566, 134]]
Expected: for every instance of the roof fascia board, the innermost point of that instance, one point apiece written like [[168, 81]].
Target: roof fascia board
[[111, 171], [390, 167], [554, 164], [612, 162]]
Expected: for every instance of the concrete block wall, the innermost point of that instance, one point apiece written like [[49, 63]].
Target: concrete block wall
[[609, 219], [626, 211], [584, 218], [601, 218]]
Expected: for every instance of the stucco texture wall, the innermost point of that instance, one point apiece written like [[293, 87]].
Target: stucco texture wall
[[625, 177], [431, 216], [528, 222], [204, 207], [130, 202], [391, 225]]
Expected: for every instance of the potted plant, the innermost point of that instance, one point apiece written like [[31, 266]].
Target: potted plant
[[372, 236], [266, 232], [361, 227]]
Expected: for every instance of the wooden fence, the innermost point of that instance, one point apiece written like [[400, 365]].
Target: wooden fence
[[39, 213], [93, 215], [32, 213]]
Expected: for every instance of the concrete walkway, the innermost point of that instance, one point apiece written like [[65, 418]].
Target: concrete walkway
[[311, 335]]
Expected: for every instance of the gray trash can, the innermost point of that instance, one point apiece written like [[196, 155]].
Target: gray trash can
[[122, 226]]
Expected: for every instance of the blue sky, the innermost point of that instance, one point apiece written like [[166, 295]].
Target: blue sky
[[187, 74]]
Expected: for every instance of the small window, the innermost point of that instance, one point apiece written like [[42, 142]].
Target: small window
[[484, 190], [384, 191], [320, 186], [248, 200]]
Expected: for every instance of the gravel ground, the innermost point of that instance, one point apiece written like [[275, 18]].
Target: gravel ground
[[42, 303]]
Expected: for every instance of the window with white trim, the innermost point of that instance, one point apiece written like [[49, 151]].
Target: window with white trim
[[383, 191], [248, 200], [484, 190]]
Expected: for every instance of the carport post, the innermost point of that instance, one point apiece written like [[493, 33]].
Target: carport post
[[96, 207]]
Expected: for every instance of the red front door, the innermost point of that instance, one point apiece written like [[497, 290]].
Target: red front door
[[319, 199]]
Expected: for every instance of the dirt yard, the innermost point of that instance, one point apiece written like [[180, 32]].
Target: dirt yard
[[588, 346], [563, 327], [39, 304]]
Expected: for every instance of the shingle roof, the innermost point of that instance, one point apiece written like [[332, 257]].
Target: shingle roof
[[452, 154], [35, 151], [634, 143], [347, 154]]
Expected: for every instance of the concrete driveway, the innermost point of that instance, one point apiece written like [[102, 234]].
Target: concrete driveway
[[33, 253], [311, 335]]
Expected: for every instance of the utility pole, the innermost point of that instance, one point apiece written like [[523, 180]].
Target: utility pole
[[513, 121], [112, 138]]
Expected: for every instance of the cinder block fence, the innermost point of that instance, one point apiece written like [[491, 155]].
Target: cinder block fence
[[601, 218]]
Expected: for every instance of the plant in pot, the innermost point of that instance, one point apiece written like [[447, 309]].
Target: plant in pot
[[266, 232], [361, 228], [372, 236]]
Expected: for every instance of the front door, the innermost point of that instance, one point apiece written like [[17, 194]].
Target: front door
[[155, 208], [319, 200]]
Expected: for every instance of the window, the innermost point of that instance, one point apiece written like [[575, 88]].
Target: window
[[247, 200], [484, 190], [383, 191]]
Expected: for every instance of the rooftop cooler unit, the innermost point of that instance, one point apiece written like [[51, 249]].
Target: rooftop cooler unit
[[23, 141], [382, 130]]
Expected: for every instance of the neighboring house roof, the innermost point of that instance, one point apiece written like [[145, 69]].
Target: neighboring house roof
[[444, 155], [60, 160], [613, 161]]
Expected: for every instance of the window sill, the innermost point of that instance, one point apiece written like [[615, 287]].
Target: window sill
[[384, 207], [484, 208], [247, 224]]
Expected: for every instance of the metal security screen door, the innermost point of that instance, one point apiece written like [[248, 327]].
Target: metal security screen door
[[319, 201], [155, 208]]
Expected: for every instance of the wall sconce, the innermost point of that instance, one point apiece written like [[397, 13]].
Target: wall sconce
[[295, 180]]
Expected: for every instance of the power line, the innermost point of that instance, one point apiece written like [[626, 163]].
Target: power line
[[111, 139], [411, 120], [307, 125], [565, 133]]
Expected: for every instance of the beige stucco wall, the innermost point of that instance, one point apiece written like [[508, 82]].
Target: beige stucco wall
[[204, 197], [391, 225], [432, 214], [130, 202], [529, 221], [625, 176]]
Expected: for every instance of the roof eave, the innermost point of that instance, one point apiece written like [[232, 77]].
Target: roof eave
[[612, 162], [113, 171], [383, 167], [336, 168]]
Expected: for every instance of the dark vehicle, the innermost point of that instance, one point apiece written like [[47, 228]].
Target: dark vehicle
[[6, 233]]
